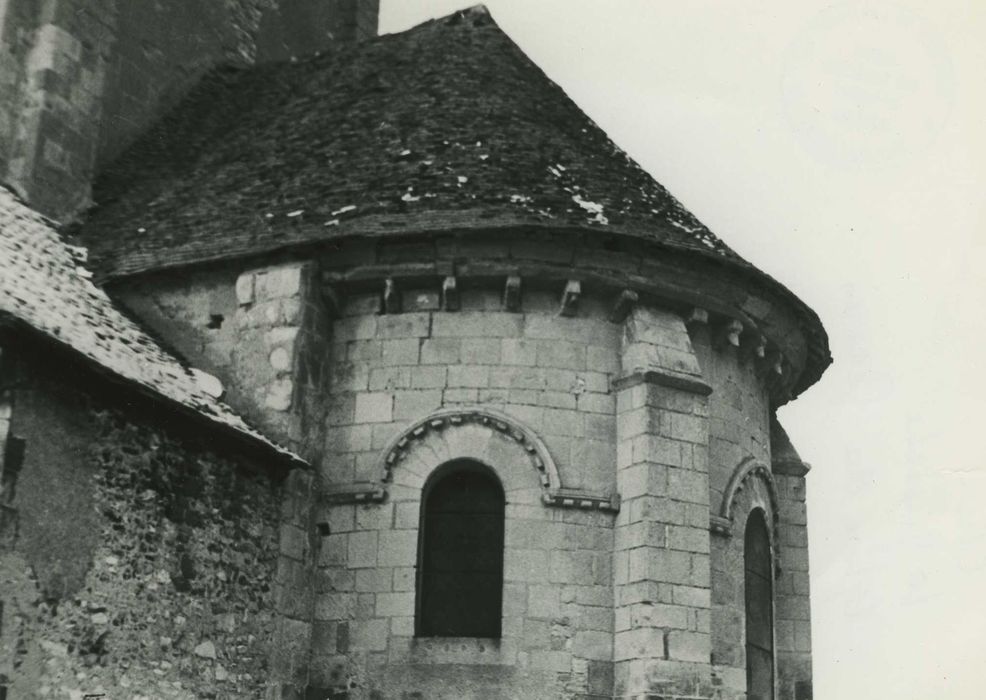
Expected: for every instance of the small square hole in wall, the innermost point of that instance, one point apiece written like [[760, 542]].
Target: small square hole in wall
[[215, 321], [323, 529]]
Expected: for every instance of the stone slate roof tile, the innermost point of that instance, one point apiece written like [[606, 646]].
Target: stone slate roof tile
[[44, 285], [447, 126]]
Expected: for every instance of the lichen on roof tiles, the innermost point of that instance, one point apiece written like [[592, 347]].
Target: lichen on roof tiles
[[43, 285]]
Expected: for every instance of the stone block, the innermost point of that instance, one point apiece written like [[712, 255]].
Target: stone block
[[406, 325], [333, 550], [670, 566], [428, 377], [592, 402], [641, 534], [660, 615], [691, 596], [402, 626], [654, 448], [395, 604], [561, 422], [516, 351], [557, 661], [688, 539], [589, 644], [398, 548], [688, 486], [600, 427], [335, 606], [643, 478], [278, 282], [477, 324], [480, 351], [414, 405], [404, 578], [369, 635], [400, 352], [279, 395], [460, 396], [244, 288], [602, 359], [440, 351], [374, 516], [516, 378], [689, 646], [560, 354], [362, 550], [389, 378], [687, 428], [374, 407], [468, 376], [524, 565], [557, 399], [407, 516]]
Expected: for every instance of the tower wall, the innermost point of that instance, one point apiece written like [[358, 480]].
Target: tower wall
[[80, 80]]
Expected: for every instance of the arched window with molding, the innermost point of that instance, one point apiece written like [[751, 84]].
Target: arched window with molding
[[460, 553], [759, 609]]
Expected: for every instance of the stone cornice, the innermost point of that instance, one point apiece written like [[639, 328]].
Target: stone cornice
[[790, 467], [661, 377]]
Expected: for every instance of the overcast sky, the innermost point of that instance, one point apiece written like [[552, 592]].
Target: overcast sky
[[842, 150]]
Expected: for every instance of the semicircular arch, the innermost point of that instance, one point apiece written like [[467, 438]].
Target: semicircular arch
[[479, 433]]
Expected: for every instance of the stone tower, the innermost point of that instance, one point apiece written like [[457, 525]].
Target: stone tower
[[539, 395]]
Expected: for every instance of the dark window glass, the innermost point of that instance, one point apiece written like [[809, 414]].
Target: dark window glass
[[759, 610], [460, 563]]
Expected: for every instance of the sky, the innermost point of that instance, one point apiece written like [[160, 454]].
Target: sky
[[842, 148]]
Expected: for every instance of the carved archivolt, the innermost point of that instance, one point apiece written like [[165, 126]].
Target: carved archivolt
[[746, 470], [749, 475], [451, 418], [553, 493]]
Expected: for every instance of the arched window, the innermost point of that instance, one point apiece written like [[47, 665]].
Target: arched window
[[759, 609], [460, 553]]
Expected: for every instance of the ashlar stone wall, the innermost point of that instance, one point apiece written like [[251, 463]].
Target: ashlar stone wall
[[487, 376]]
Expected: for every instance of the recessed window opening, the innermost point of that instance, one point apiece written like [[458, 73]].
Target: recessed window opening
[[460, 553], [759, 609]]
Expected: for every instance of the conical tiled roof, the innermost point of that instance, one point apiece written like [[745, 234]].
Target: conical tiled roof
[[446, 126]]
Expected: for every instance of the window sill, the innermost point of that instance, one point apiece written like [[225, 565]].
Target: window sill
[[473, 651]]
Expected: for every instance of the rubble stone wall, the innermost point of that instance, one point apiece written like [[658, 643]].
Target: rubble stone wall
[[134, 560]]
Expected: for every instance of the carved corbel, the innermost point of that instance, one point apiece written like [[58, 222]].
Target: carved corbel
[[511, 293], [450, 294], [391, 297], [728, 335], [623, 305], [697, 317], [570, 298]]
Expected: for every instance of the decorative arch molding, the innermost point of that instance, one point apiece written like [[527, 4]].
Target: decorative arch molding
[[747, 476], [448, 418], [553, 493], [746, 470]]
